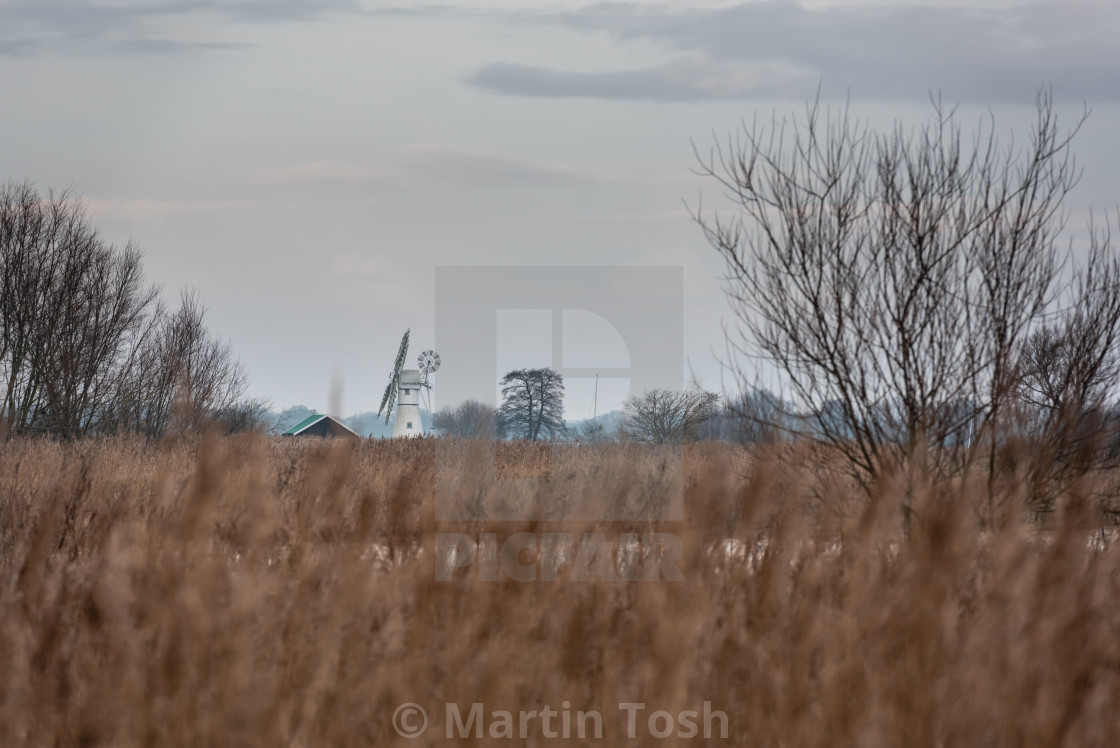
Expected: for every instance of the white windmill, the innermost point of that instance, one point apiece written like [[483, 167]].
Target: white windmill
[[404, 389]]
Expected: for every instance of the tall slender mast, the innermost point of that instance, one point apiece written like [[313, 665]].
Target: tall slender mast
[[595, 408]]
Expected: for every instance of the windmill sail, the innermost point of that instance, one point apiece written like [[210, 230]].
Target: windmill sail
[[394, 379], [388, 399]]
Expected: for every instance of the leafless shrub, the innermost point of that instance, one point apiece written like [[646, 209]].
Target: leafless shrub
[[751, 417], [1065, 389], [895, 278], [664, 416], [245, 415], [470, 419], [593, 431]]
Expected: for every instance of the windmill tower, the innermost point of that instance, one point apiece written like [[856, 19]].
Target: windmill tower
[[407, 422], [404, 389]]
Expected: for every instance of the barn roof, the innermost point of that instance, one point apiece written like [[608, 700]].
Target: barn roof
[[311, 420]]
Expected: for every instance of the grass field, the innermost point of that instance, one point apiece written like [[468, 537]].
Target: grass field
[[258, 592]]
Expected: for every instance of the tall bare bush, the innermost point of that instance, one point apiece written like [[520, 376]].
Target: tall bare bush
[[894, 278]]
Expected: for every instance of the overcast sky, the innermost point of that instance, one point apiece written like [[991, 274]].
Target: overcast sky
[[307, 164]]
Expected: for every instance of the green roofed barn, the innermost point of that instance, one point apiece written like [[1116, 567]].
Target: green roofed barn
[[321, 426]]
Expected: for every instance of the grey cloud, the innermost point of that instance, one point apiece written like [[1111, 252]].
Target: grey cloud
[[471, 166], [16, 47], [417, 11], [689, 79], [425, 165], [43, 22], [879, 51], [270, 11], [161, 46]]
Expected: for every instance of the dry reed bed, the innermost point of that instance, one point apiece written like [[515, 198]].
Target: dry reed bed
[[224, 593]]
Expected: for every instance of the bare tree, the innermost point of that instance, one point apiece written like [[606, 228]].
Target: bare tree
[[665, 416], [184, 377], [892, 277], [85, 346], [99, 324], [245, 415], [532, 404], [751, 417], [470, 419], [72, 309], [1067, 377]]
